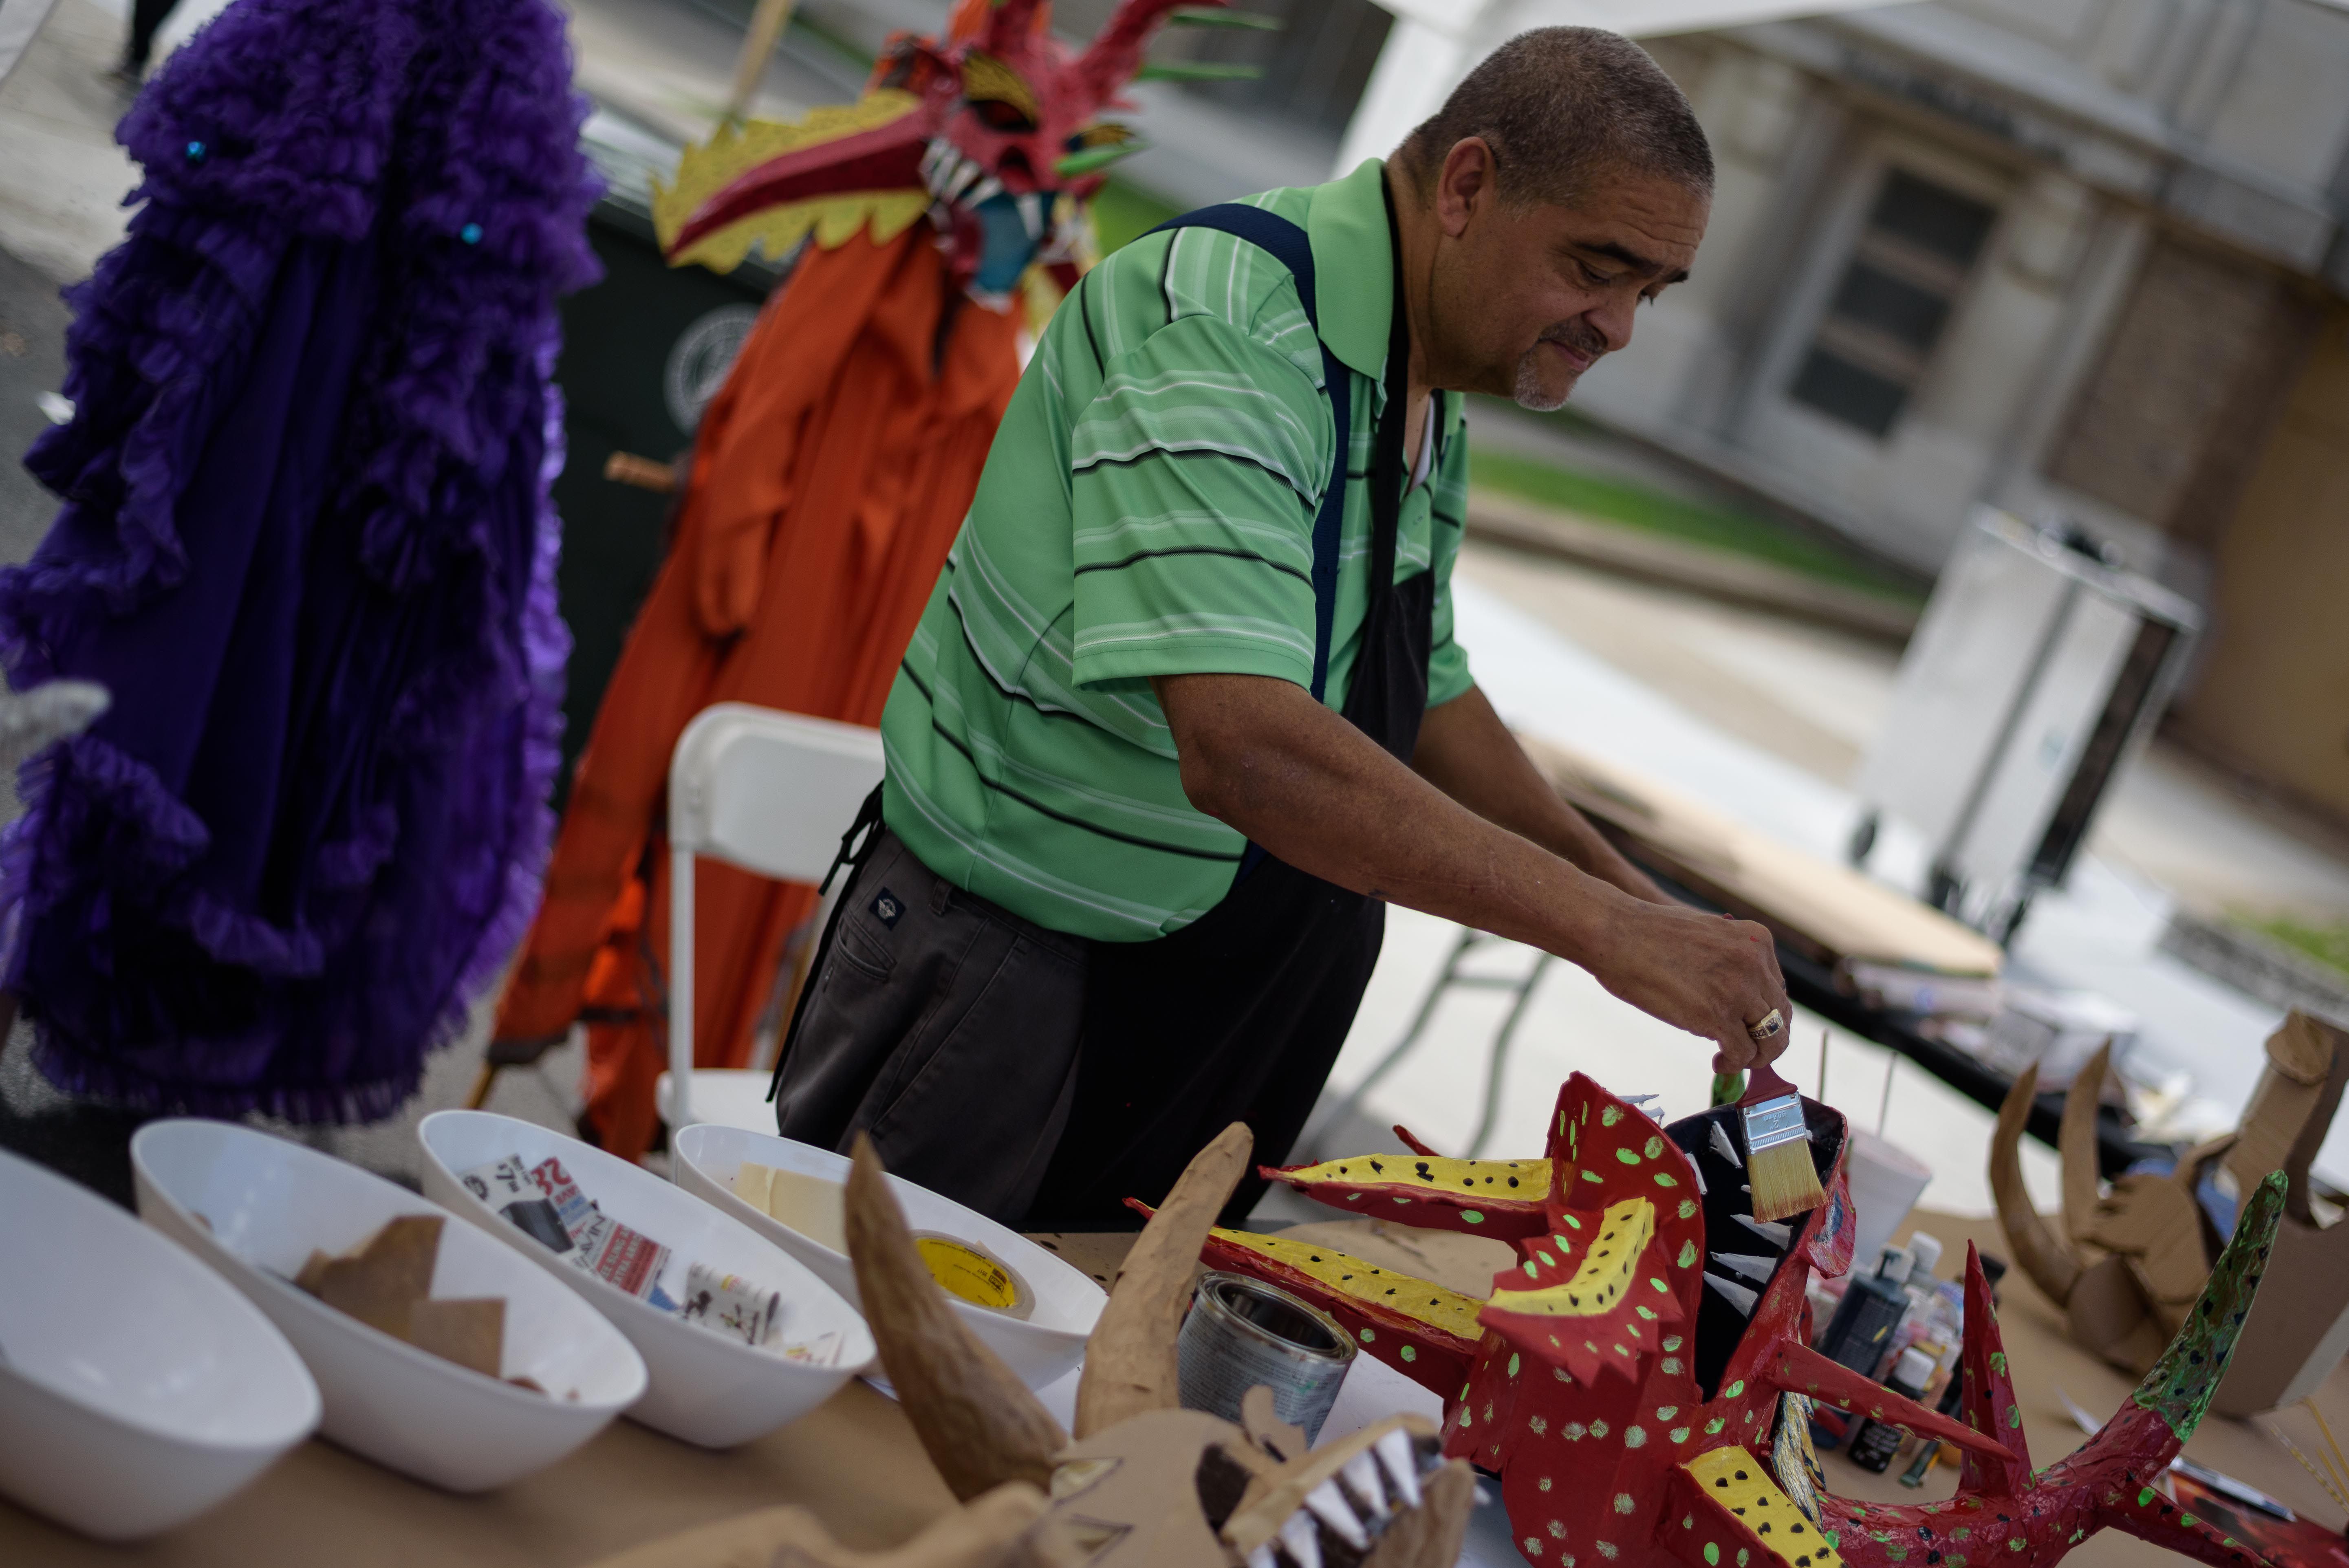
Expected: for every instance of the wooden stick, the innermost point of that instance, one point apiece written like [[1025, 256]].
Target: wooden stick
[[767, 25], [1822, 1095], [482, 1082], [2323, 1477], [1884, 1107], [2329, 1440], [628, 469]]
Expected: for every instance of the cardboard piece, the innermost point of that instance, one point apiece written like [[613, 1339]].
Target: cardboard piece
[[1822, 908], [2134, 1257], [386, 1282], [2296, 1335], [469, 1331], [997, 1530], [808, 1204], [380, 1279]]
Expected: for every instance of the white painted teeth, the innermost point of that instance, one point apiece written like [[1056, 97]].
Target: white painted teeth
[[1757, 1269], [985, 191], [1698, 1172], [1298, 1540], [1401, 1465], [1262, 1557], [1737, 1296], [1726, 1150], [1777, 1235], [1361, 1475], [1031, 213], [1328, 1505]]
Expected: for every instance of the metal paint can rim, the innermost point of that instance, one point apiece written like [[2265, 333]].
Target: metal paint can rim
[[1212, 1295]]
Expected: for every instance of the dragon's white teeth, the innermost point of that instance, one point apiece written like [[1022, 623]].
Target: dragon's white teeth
[[1361, 1475], [1298, 1539], [1757, 1269], [1698, 1172], [1328, 1505], [959, 175], [1770, 1231], [1262, 1557], [985, 190], [1402, 1466], [1737, 1296], [1726, 1150], [1031, 213]]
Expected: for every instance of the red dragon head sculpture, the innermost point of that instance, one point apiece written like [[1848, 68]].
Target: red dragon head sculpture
[[1641, 1406], [995, 132]]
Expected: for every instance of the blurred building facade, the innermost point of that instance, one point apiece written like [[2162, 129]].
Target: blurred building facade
[[2081, 259]]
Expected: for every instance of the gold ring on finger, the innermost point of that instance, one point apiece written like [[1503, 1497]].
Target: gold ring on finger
[[1767, 1028]]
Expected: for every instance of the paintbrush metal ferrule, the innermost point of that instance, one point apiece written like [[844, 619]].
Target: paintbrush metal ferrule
[[1778, 1159], [1772, 1122]]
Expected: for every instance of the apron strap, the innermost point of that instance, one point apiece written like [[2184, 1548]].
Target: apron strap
[[1286, 243], [852, 855]]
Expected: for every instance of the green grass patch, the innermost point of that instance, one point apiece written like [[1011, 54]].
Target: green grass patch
[[1124, 212], [2325, 944], [1718, 528]]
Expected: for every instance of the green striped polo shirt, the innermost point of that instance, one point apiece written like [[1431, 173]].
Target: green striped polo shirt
[[1147, 510]]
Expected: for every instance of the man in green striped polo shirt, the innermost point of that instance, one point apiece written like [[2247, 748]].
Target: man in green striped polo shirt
[[1185, 710]]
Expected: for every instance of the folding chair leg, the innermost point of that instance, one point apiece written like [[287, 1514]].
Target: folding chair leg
[[482, 1082], [1468, 938]]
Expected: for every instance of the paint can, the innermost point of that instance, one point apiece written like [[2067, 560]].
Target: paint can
[[1242, 1332]]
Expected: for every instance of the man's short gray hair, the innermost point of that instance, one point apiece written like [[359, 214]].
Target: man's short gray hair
[[1558, 106]]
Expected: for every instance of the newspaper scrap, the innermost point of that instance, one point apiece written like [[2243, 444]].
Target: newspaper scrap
[[545, 1203], [729, 1305]]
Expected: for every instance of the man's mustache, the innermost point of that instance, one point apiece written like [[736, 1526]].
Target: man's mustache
[[1578, 335]]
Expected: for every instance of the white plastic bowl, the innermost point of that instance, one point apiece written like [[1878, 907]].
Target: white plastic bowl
[[270, 1202], [1041, 1348], [706, 1388], [136, 1390]]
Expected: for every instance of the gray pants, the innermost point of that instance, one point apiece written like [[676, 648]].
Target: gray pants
[[944, 1025]]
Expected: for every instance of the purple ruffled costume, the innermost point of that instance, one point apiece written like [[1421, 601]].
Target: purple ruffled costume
[[307, 545]]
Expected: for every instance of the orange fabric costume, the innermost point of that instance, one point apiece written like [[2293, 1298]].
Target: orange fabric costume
[[831, 473]]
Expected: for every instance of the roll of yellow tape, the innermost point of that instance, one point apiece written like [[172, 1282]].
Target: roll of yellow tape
[[968, 1272]]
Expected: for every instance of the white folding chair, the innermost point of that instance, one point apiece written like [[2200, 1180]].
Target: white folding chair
[[771, 792]]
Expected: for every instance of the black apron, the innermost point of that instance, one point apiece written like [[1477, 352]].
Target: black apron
[[1239, 1016]]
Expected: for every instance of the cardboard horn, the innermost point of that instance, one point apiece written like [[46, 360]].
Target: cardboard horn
[[997, 1531], [2075, 1141], [979, 1423], [1130, 1359], [2045, 1257]]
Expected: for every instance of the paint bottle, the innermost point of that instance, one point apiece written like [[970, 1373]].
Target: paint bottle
[[1953, 1402], [1872, 1307], [1873, 1445]]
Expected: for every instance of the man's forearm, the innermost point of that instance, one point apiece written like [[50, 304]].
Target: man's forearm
[[1468, 753], [1264, 756], [1328, 802]]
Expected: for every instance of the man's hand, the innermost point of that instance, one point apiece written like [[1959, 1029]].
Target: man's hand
[[1262, 755], [1698, 971]]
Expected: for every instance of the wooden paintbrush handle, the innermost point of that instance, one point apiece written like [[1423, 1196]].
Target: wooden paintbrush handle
[[1763, 1082]]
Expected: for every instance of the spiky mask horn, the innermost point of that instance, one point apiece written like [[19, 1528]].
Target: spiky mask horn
[[994, 132]]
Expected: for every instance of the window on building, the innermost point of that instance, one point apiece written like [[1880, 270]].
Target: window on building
[[1892, 302]]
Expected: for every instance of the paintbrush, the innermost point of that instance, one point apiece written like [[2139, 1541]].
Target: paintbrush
[[1778, 1148]]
